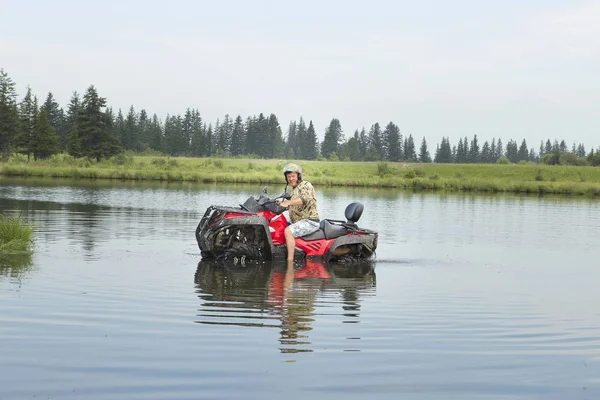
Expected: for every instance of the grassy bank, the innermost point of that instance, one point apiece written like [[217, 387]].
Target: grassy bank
[[15, 235], [521, 178]]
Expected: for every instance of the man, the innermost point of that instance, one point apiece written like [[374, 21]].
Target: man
[[302, 207]]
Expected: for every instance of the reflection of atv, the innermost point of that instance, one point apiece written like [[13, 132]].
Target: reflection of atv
[[253, 283], [255, 231], [255, 294]]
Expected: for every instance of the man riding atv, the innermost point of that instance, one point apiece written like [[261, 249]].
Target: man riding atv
[[302, 207]]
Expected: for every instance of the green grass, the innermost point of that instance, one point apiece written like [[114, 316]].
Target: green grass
[[15, 235], [513, 178]]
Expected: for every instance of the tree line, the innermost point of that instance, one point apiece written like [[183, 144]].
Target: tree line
[[88, 127]]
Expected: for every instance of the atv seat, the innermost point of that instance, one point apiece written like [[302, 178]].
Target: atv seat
[[328, 229], [331, 228]]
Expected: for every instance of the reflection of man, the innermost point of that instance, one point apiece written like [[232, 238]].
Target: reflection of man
[[295, 305]]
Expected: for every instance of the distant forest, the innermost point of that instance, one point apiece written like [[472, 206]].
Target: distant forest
[[88, 127]]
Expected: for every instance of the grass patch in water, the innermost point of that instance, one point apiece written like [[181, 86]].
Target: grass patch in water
[[16, 234]]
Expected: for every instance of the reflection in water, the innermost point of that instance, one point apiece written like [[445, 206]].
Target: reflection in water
[[15, 265], [281, 296]]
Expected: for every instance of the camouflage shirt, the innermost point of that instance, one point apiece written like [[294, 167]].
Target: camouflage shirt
[[308, 209]]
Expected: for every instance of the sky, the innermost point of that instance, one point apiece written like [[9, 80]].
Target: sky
[[499, 69]]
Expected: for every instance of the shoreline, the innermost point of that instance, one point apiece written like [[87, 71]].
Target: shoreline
[[486, 178]]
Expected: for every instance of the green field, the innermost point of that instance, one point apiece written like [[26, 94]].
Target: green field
[[511, 178]]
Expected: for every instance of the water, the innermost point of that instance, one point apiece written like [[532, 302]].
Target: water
[[470, 297]]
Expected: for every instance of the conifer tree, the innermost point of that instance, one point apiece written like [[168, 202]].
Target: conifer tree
[[473, 156], [72, 115], [444, 152], [291, 135], [46, 141], [461, 152], [512, 151], [376, 142], [485, 153], [332, 138], [499, 150], [300, 141], [392, 139], [409, 149], [310, 148], [523, 153], [548, 149], [9, 114], [92, 126], [353, 147], [131, 136], [424, 156], [56, 118], [28, 115], [542, 149], [74, 142], [493, 151], [237, 137], [155, 134]]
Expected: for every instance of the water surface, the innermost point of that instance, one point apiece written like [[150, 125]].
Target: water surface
[[469, 297]]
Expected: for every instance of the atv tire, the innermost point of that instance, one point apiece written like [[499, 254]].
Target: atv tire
[[242, 252]]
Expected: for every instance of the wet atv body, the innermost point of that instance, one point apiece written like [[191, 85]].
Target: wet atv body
[[255, 231]]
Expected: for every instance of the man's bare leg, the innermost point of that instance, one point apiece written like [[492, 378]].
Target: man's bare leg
[[290, 242]]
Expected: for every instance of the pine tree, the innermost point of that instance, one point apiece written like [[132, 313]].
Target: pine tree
[[409, 149], [28, 115], [548, 149], [187, 131], [363, 141], [310, 149], [301, 134], [485, 153], [392, 139], [493, 152], [131, 136], [46, 141], [9, 114], [376, 142], [72, 115], [251, 136], [473, 156], [74, 142], [523, 154], [461, 152], [143, 129], [424, 156], [92, 126], [56, 118], [563, 146], [512, 151], [237, 137], [353, 147], [444, 152], [291, 135], [275, 148], [499, 150], [155, 134], [332, 138]]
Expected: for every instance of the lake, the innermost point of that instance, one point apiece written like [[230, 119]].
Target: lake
[[469, 297]]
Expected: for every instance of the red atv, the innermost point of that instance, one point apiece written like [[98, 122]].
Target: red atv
[[254, 231]]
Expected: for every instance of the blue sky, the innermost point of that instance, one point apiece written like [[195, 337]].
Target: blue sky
[[507, 69]]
